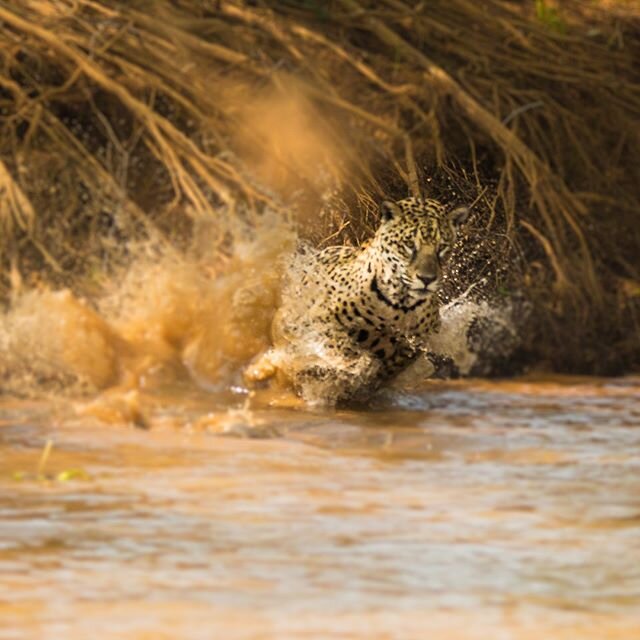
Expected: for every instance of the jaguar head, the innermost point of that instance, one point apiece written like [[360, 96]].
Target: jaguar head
[[413, 242]]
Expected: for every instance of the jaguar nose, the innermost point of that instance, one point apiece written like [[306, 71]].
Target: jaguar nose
[[427, 280]]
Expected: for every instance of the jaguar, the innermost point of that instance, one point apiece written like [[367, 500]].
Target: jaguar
[[354, 317]]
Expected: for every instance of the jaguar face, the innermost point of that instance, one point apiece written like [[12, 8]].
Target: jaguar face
[[414, 241]]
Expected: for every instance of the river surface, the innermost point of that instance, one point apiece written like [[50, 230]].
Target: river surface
[[488, 510]]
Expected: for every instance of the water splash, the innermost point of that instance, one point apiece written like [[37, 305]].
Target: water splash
[[476, 335], [167, 318]]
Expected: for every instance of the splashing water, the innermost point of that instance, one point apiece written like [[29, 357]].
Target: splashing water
[[475, 335], [167, 319], [186, 319]]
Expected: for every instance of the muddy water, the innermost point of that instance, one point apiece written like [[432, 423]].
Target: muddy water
[[460, 510]]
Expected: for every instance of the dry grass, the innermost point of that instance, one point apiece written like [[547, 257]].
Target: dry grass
[[140, 119]]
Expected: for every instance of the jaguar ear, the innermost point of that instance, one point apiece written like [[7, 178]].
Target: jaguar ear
[[459, 216], [389, 210]]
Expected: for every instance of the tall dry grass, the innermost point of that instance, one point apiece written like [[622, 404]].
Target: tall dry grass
[[142, 119]]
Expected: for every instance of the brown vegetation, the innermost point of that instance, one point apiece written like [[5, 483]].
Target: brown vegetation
[[143, 119]]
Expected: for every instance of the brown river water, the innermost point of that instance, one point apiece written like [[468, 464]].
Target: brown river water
[[468, 509]]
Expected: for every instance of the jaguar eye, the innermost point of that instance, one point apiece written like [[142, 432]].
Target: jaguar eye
[[414, 253]]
